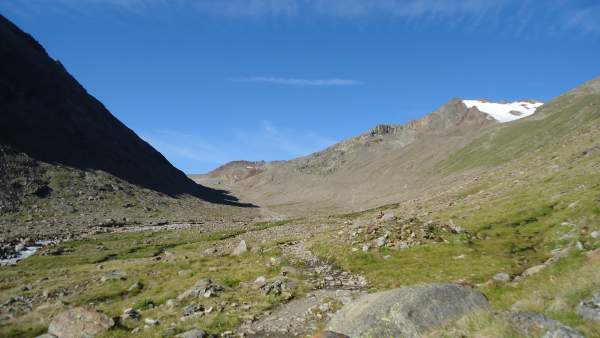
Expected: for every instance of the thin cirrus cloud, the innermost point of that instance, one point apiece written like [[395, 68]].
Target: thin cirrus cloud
[[287, 81], [197, 153], [515, 15]]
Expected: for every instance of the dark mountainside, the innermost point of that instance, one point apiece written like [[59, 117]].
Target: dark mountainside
[[68, 165], [48, 115]]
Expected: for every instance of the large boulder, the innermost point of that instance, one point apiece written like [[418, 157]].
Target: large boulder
[[80, 322], [406, 312]]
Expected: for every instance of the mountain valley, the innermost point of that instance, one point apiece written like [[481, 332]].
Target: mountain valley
[[480, 219]]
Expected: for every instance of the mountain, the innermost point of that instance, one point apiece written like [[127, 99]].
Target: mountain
[[60, 148], [386, 164]]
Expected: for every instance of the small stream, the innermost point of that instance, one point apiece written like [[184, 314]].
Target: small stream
[[24, 253]]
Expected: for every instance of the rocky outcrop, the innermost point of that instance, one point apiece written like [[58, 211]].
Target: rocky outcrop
[[203, 288], [590, 308], [80, 323], [532, 324], [406, 312]]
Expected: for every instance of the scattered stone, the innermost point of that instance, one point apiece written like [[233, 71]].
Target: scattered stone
[[533, 324], [184, 273], [386, 257], [579, 246], [171, 303], [388, 217], [260, 281], [137, 286], [192, 309], [151, 322], [365, 248], [533, 270], [402, 245], [379, 242], [204, 287], [114, 275], [595, 234], [131, 314], [195, 333], [47, 335], [275, 286], [406, 312], [240, 249], [502, 277], [80, 322], [590, 308]]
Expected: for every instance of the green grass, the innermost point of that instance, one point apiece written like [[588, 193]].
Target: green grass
[[77, 273]]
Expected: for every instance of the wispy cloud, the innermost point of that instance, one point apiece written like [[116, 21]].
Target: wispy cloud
[[300, 82], [513, 15], [195, 153]]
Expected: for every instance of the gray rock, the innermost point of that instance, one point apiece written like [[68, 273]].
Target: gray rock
[[151, 322], [114, 275], [533, 270], [595, 234], [502, 277], [563, 332], [192, 309], [204, 287], [533, 324], [406, 312], [137, 286], [260, 281], [195, 333], [184, 273], [590, 308], [388, 217], [380, 241], [240, 249], [80, 323], [131, 314]]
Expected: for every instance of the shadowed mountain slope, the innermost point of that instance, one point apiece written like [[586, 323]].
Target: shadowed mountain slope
[[48, 115], [67, 165]]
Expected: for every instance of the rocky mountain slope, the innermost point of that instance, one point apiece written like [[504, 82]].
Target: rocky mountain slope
[[66, 160], [386, 164]]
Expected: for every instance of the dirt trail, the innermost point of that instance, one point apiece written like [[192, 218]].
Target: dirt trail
[[332, 287]]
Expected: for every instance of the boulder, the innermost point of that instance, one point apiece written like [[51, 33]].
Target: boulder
[[406, 312], [192, 309], [502, 277], [240, 249], [80, 322], [533, 324], [590, 308], [195, 333], [204, 287]]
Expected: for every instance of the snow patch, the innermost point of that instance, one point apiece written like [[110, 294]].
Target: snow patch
[[505, 112]]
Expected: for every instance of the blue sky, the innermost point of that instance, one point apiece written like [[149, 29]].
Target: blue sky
[[209, 81]]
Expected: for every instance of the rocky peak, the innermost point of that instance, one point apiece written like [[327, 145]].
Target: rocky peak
[[383, 129]]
